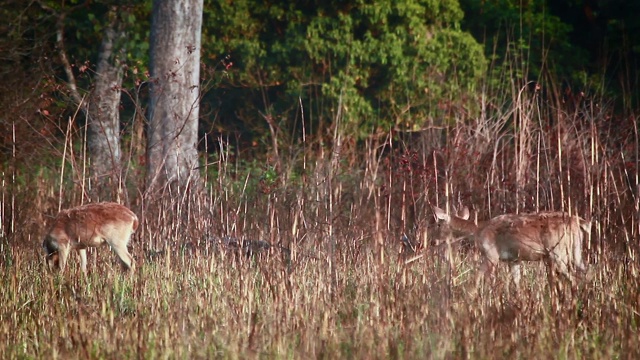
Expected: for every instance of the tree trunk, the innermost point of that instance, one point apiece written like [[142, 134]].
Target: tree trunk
[[172, 137], [102, 109], [103, 123]]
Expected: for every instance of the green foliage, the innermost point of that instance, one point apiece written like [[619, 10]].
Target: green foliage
[[84, 27], [525, 39], [370, 65]]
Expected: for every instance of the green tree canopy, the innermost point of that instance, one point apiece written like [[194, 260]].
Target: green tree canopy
[[375, 65]]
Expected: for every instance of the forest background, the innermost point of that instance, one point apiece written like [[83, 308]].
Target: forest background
[[327, 128]]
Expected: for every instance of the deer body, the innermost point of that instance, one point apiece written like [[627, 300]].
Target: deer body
[[90, 225], [553, 237]]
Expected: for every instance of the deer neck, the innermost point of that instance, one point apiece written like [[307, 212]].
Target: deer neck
[[464, 226]]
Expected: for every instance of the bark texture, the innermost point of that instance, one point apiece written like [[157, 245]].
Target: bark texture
[[175, 93], [103, 123]]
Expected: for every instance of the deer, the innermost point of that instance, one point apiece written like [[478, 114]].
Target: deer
[[553, 237], [90, 225]]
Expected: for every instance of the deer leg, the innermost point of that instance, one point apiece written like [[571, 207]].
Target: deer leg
[[53, 261], [555, 284], [578, 263], [486, 272], [562, 266], [515, 273], [83, 260], [577, 256], [123, 254], [63, 255]]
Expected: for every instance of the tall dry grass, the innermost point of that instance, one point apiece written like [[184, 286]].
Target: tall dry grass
[[349, 289]]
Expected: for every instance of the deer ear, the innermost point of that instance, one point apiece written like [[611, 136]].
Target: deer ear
[[464, 213], [440, 214]]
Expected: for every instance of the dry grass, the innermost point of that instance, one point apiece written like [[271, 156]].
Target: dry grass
[[206, 306], [346, 292]]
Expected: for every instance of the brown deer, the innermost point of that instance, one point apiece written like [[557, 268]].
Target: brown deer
[[90, 225], [553, 237]]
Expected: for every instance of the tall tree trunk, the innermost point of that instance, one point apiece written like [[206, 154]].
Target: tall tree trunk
[[103, 125], [102, 109], [174, 98]]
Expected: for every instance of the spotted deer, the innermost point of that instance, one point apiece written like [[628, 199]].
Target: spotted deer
[[553, 237], [90, 225]]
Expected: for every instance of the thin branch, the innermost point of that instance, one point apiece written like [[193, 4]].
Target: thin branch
[[71, 79]]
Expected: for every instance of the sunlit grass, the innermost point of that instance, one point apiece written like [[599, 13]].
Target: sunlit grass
[[201, 307], [346, 292]]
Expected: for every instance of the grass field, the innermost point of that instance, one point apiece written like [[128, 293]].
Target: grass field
[[217, 305], [347, 292]]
